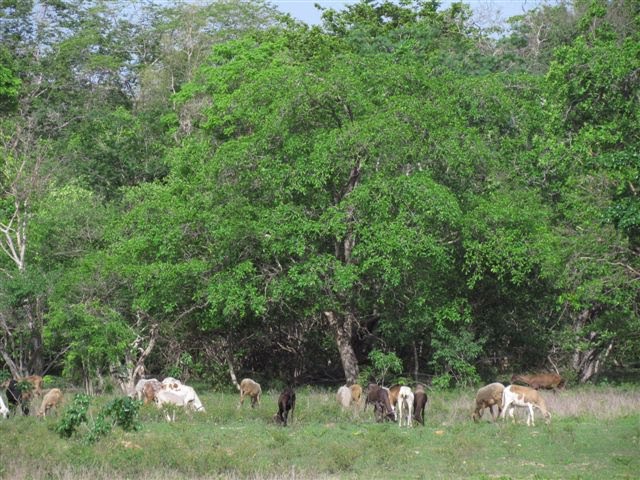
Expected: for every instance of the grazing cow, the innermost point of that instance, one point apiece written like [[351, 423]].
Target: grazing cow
[[525, 397], [172, 383], [184, 396], [170, 397], [343, 396], [382, 406], [18, 395], [4, 411], [547, 381], [419, 404], [252, 389], [487, 397], [139, 390], [52, 399], [405, 406], [372, 394], [394, 392], [286, 404], [149, 391], [356, 393], [192, 398]]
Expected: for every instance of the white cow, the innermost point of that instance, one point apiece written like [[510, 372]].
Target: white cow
[[524, 397], [172, 383], [183, 396], [405, 406], [343, 396], [191, 397], [4, 411]]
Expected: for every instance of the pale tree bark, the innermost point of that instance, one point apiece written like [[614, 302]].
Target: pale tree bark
[[587, 362], [23, 181], [134, 368], [343, 328], [15, 373], [6, 346], [232, 370], [87, 379]]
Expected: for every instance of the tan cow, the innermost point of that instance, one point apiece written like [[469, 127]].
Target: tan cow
[[52, 399]]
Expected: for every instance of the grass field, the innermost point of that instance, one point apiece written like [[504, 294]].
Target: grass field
[[594, 434]]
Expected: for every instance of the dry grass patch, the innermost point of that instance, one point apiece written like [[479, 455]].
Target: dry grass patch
[[601, 403]]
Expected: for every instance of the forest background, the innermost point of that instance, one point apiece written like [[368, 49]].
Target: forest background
[[217, 187]]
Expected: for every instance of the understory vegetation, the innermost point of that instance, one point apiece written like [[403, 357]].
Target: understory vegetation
[[594, 434]]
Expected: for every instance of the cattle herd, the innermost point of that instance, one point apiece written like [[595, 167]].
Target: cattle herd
[[398, 403]]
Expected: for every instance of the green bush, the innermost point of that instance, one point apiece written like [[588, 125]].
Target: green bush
[[73, 416], [122, 412]]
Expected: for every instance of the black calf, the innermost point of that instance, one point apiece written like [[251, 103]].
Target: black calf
[[18, 396], [286, 403]]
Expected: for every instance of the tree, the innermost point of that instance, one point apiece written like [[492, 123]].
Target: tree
[[330, 195], [23, 183], [536, 34], [593, 88], [9, 82], [33, 33]]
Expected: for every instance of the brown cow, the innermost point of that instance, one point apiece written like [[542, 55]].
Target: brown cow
[[382, 406], [149, 391], [356, 393], [34, 380], [393, 394], [419, 404], [547, 381]]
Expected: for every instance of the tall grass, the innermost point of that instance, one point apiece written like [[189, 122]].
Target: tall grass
[[594, 433]]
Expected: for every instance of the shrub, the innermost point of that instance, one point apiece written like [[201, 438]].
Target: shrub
[[74, 416], [122, 412]]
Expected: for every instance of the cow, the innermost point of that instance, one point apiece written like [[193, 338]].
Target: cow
[[286, 404]]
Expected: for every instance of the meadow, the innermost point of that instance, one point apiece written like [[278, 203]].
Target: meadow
[[594, 434]]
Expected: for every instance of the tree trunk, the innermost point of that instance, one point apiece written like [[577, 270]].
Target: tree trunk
[[343, 325], [86, 379], [134, 367], [15, 373], [587, 362], [34, 314], [416, 361], [232, 371], [343, 330]]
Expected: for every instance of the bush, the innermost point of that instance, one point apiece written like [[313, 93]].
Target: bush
[[74, 416], [122, 412]]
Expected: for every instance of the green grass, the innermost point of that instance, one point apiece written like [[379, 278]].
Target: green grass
[[594, 434]]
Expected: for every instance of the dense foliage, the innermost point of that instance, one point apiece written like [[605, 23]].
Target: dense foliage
[[201, 188]]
